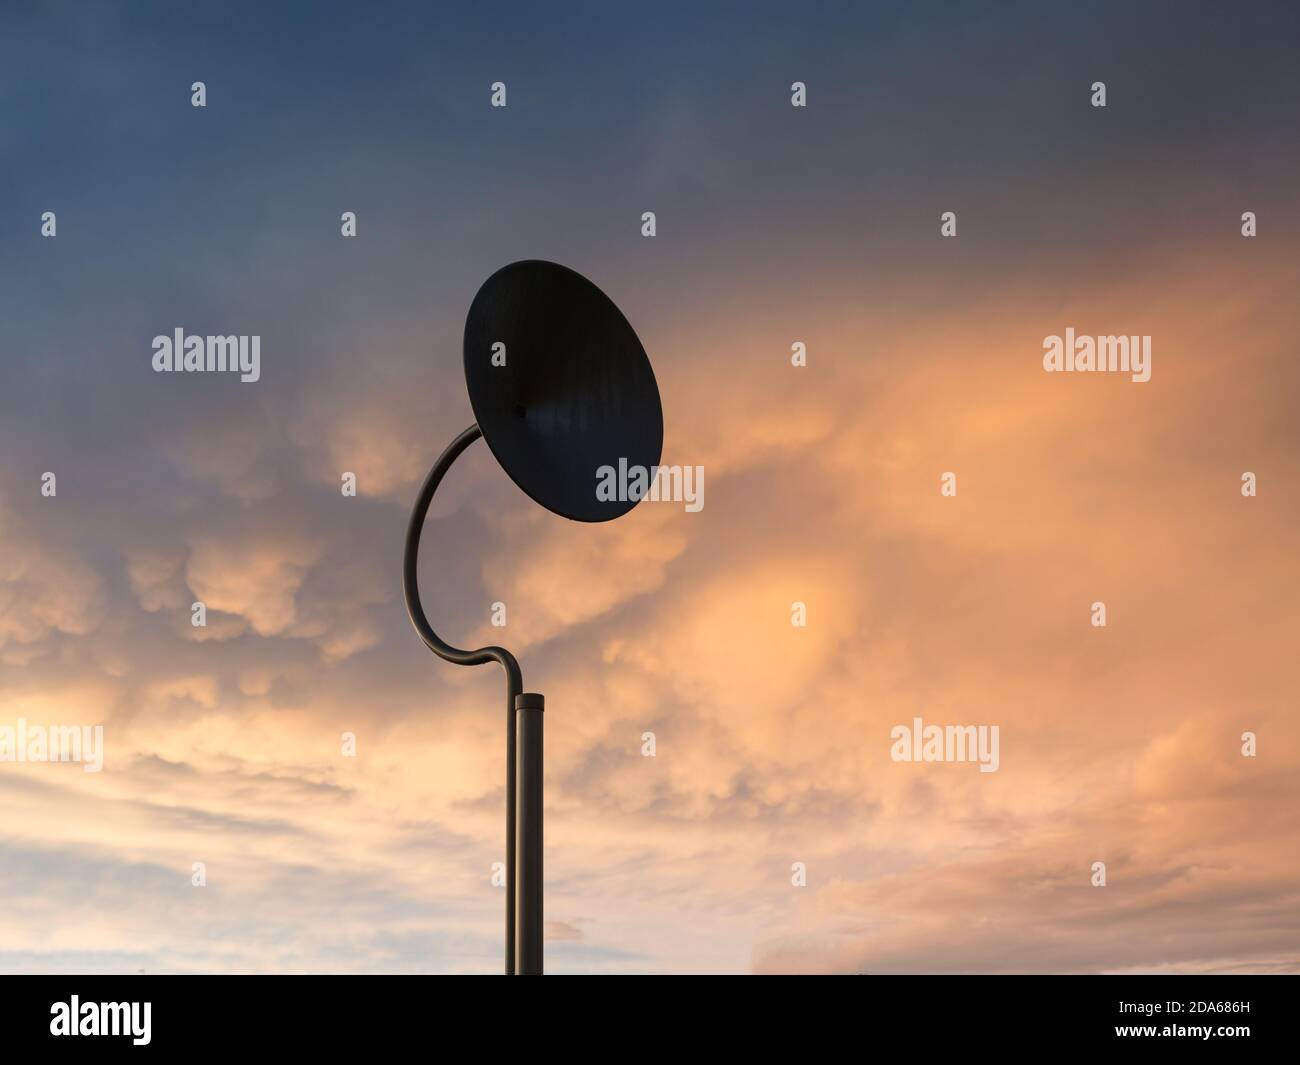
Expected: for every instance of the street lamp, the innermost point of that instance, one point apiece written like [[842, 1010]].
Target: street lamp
[[560, 387]]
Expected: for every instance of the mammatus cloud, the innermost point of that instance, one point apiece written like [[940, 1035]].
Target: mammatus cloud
[[259, 582], [45, 589]]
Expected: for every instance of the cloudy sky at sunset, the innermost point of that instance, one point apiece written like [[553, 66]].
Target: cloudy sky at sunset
[[775, 224]]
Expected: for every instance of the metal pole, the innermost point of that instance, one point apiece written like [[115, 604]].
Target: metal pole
[[440, 647], [529, 709], [512, 697]]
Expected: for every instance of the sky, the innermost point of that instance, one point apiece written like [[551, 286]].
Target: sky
[[775, 224]]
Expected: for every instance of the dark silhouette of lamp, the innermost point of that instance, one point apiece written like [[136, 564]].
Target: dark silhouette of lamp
[[575, 393]]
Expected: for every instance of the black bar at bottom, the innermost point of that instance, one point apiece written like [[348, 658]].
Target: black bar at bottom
[[1233, 1018]]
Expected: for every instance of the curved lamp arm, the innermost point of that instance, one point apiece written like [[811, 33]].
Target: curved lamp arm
[[410, 580], [440, 647]]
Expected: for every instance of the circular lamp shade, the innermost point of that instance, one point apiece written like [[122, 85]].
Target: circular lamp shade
[[576, 392]]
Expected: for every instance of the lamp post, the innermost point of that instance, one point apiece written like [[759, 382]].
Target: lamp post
[[560, 387]]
